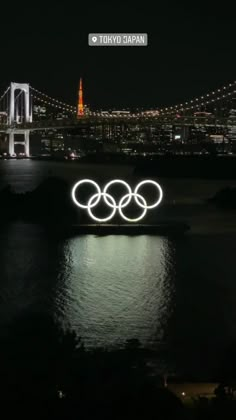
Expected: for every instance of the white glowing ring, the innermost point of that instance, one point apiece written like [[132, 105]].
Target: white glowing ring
[[90, 205], [110, 201], [83, 181], [149, 181], [118, 181], [144, 208]]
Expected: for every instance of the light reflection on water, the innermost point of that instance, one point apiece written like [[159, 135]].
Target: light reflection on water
[[114, 288], [107, 289], [173, 295]]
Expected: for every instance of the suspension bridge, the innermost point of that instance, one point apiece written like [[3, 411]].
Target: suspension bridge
[[215, 109]]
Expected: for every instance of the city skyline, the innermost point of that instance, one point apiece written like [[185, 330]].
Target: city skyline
[[207, 122], [190, 52], [79, 107]]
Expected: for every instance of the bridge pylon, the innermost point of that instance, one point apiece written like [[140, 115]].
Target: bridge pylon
[[25, 142], [13, 111]]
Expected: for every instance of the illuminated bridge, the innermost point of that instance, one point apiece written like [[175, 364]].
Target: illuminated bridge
[[215, 111]]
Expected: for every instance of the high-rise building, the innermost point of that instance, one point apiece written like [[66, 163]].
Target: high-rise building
[[80, 108], [232, 126], [39, 112]]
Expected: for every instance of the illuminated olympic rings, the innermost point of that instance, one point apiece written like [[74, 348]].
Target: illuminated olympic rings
[[110, 201]]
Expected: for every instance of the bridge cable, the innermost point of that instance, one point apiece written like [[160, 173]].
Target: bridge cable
[[70, 107], [202, 100]]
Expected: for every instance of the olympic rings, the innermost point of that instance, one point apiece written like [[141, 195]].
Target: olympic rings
[[156, 185], [111, 202], [104, 194], [83, 181], [138, 218], [118, 181]]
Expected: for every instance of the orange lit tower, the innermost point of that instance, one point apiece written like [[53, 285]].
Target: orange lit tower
[[80, 108]]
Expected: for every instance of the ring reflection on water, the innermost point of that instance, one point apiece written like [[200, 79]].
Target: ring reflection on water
[[114, 288]]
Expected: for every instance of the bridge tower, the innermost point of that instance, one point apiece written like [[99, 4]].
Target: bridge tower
[[80, 107], [13, 111], [14, 118], [25, 142]]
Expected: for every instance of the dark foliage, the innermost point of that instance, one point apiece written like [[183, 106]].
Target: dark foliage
[[50, 203]]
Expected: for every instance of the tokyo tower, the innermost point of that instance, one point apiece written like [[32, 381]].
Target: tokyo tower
[[80, 108]]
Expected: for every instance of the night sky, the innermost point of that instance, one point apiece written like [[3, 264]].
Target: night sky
[[191, 51]]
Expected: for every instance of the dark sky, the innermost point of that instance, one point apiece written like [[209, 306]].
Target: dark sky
[[191, 50]]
